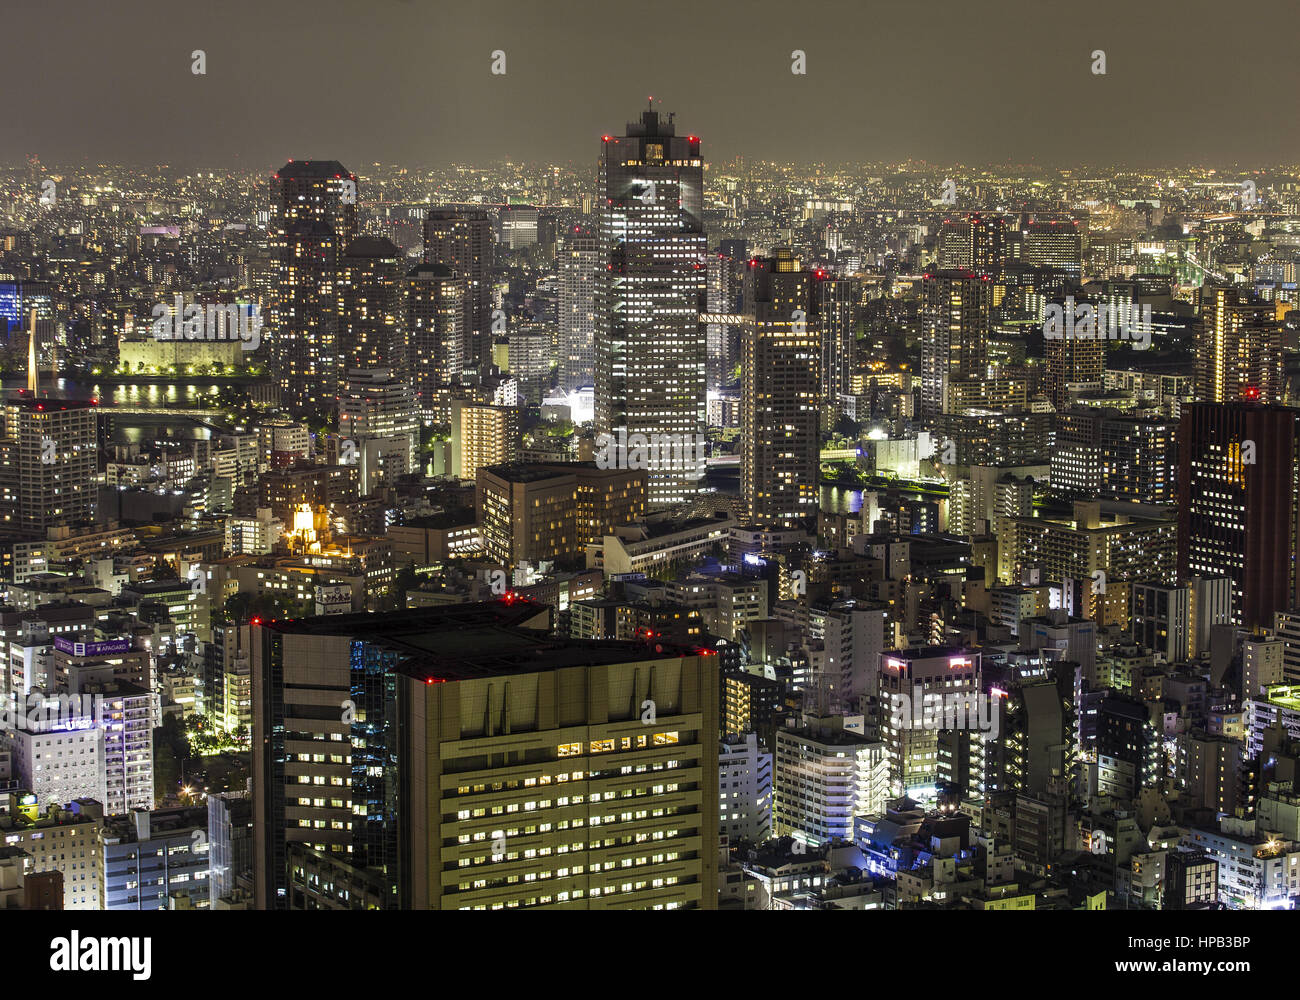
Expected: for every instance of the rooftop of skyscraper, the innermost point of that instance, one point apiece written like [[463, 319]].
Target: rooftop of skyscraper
[[313, 168], [490, 638]]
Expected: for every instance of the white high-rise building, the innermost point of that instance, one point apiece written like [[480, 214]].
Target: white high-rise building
[[126, 716], [60, 762], [826, 777], [379, 415], [744, 789], [578, 262]]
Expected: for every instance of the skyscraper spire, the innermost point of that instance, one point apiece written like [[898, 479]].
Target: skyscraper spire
[[32, 377]]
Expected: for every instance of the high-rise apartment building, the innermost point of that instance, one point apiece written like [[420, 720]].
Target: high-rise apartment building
[[482, 435], [837, 310], [650, 345], [825, 777], [972, 244], [439, 344], [1238, 348], [955, 323], [1139, 459], [376, 405], [781, 413], [460, 239], [370, 314], [313, 220], [1072, 363], [581, 277], [49, 461], [744, 789]]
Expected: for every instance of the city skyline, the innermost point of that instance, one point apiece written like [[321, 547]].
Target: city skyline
[[651, 522]]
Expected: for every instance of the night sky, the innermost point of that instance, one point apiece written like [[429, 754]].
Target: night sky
[[409, 81]]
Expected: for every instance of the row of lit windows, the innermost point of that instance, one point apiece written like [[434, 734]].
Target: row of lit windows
[[610, 745]]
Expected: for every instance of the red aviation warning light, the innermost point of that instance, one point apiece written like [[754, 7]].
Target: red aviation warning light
[[1250, 392]]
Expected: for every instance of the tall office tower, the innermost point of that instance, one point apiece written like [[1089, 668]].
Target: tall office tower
[[1238, 348], [780, 467], [581, 271], [1072, 361], [972, 244], [48, 463], [650, 345], [475, 771], [438, 340], [955, 323], [1139, 458], [370, 314], [517, 226], [838, 310], [722, 334], [376, 405], [908, 679], [1238, 513], [1056, 246], [461, 239], [313, 218]]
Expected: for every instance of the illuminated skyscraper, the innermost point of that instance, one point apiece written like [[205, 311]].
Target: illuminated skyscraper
[[578, 261], [725, 276], [837, 306], [1238, 348], [955, 321], [461, 239], [438, 341], [650, 345], [972, 244], [1238, 514], [1056, 246], [49, 459], [313, 218], [1072, 360], [370, 305], [780, 465]]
